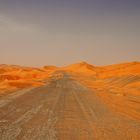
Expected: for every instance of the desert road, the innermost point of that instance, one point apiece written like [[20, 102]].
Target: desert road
[[63, 109]]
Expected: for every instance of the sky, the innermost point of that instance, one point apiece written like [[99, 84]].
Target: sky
[[61, 32]]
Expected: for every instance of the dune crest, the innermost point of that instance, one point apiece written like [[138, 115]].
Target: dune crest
[[117, 75], [82, 67], [80, 96]]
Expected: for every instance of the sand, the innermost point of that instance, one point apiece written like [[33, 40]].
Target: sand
[[79, 102]]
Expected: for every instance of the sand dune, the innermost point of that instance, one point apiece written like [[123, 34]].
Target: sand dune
[[124, 69], [73, 104], [82, 67], [132, 68], [16, 77], [118, 86], [119, 75]]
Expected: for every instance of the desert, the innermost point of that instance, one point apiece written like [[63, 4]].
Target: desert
[[79, 101]]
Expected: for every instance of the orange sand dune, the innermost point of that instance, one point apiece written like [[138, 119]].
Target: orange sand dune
[[14, 77], [79, 97], [117, 85], [118, 76], [50, 68], [82, 67], [123, 69]]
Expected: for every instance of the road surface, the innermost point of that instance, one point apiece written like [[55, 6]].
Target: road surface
[[63, 109]]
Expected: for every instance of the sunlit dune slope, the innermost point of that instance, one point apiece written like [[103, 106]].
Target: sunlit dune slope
[[123, 69], [125, 75], [82, 67], [116, 70], [117, 85], [118, 76], [50, 68], [13, 77]]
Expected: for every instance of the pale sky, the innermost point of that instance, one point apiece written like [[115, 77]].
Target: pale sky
[[61, 32]]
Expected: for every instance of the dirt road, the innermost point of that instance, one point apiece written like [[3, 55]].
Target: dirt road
[[62, 110]]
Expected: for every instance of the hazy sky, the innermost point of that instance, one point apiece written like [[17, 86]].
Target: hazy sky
[[60, 32]]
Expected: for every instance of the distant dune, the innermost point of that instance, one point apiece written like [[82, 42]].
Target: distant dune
[[13, 77], [81, 67], [16, 77], [78, 101], [118, 85]]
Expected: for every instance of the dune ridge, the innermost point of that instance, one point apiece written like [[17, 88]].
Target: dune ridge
[[122, 75], [105, 96]]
